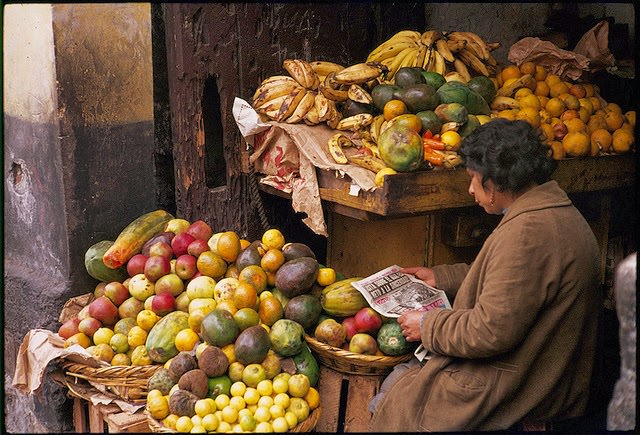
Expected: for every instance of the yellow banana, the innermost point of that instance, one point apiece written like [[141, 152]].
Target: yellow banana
[[359, 95], [273, 104], [371, 163], [274, 91], [355, 122], [359, 73], [430, 36], [479, 44], [472, 60], [334, 116], [507, 91], [321, 104], [430, 59], [332, 90], [504, 103], [302, 72], [305, 104], [397, 62], [372, 146], [403, 36], [439, 65], [443, 48], [324, 67], [374, 127], [290, 104], [311, 117], [335, 143], [391, 50], [422, 53], [455, 45], [272, 81], [461, 68]]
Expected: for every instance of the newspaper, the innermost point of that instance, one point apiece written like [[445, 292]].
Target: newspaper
[[391, 293]]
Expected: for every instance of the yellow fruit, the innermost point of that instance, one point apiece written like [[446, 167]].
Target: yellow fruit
[[211, 264], [613, 107], [613, 118], [238, 403], [140, 357], [557, 151], [291, 418], [281, 383], [276, 411], [552, 79], [229, 414], [222, 400], [509, 114], [102, 336], [630, 116], [312, 398], [265, 401], [541, 73], [529, 114], [103, 352], [254, 275], [121, 359], [555, 106], [379, 178], [137, 337], [238, 389], [510, 72], [186, 340], [262, 414], [158, 407], [393, 108], [557, 89], [170, 421], [272, 260], [576, 144], [299, 407], [451, 140], [210, 422], [270, 310], [184, 424], [409, 120], [547, 132], [326, 276], [575, 124], [542, 88], [273, 239], [522, 92], [146, 319], [205, 305], [229, 351], [622, 141], [228, 246], [119, 343], [247, 423], [529, 101], [245, 295], [483, 119], [601, 141], [201, 287], [587, 104], [225, 427], [298, 385], [78, 338], [251, 396]]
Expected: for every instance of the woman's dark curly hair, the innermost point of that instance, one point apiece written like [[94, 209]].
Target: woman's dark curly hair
[[510, 153]]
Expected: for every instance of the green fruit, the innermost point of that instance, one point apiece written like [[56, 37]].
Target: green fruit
[[391, 341], [295, 277], [307, 364], [418, 97], [219, 385], [219, 328], [381, 94], [160, 342], [97, 269], [252, 345], [452, 112], [304, 309], [456, 92], [407, 76], [484, 86], [471, 124], [434, 79], [341, 299], [401, 148], [287, 337], [430, 121]]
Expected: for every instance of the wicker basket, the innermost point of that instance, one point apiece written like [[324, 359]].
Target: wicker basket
[[306, 426], [126, 382], [354, 363]]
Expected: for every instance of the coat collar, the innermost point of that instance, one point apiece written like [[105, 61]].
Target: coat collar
[[547, 195]]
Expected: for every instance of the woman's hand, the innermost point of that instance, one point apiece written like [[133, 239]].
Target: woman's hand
[[410, 323], [423, 273]]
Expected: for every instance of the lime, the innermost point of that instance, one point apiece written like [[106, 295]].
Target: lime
[[219, 385]]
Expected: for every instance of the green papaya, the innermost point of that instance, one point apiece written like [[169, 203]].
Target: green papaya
[[484, 86], [401, 148], [452, 112], [96, 267], [391, 341], [161, 339], [307, 364], [456, 92]]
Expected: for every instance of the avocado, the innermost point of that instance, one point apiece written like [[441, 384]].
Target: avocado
[[350, 108], [249, 256], [418, 97], [296, 277], [407, 76], [304, 309], [252, 345], [382, 93], [430, 121], [296, 250]]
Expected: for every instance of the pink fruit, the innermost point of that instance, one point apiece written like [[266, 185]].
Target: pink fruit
[[363, 343], [68, 328], [169, 283], [186, 265], [200, 230], [162, 249], [135, 265], [165, 236], [330, 332], [349, 325], [197, 247], [163, 303], [130, 308], [156, 266], [84, 313], [104, 310], [116, 292], [180, 243], [89, 326], [99, 290], [367, 320]]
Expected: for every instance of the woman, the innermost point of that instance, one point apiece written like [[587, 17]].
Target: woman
[[517, 348]]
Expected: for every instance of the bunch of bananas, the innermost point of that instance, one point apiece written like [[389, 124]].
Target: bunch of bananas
[[438, 51]]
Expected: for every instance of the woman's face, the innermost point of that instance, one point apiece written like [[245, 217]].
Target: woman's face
[[482, 194]]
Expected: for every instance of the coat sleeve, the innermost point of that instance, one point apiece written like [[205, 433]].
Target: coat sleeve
[[450, 276], [511, 290]]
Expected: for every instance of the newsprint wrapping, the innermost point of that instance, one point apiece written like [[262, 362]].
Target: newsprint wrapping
[[391, 292]]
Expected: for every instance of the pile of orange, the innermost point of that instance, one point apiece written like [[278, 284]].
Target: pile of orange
[[573, 118]]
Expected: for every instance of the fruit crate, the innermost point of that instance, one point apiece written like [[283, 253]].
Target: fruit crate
[[90, 418]]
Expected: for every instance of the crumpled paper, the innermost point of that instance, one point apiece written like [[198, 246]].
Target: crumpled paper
[[289, 154], [590, 54]]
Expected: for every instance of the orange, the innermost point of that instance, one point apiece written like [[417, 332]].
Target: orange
[[631, 117], [244, 243], [394, 108], [326, 276], [228, 246], [569, 114], [529, 114], [227, 304], [273, 239], [557, 150], [186, 340], [409, 120], [510, 72], [571, 102], [558, 88], [578, 90], [528, 68], [596, 122], [589, 90], [254, 275], [614, 120], [622, 141], [555, 106], [552, 79], [451, 140], [272, 259], [522, 92], [271, 279], [79, 338], [542, 88], [245, 295], [547, 132], [575, 124], [541, 73], [313, 398], [576, 144], [211, 264], [612, 107], [596, 102], [601, 141], [529, 101], [232, 271], [270, 310]]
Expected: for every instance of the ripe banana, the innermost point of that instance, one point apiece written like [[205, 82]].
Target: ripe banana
[[391, 50], [504, 103], [334, 116], [443, 48], [374, 127], [335, 143], [302, 72], [371, 163], [269, 92], [430, 36], [429, 60], [332, 90], [402, 37], [461, 68], [305, 104], [455, 45], [311, 117], [422, 53], [439, 65], [355, 122], [290, 104], [359, 95], [405, 57], [479, 45], [359, 73], [272, 81], [322, 67], [507, 91], [472, 60], [273, 104], [321, 104]]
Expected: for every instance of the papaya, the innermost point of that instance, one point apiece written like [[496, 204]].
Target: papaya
[[401, 148], [307, 364], [97, 269], [341, 299], [219, 328], [287, 337], [484, 86], [456, 92], [160, 342], [296, 277], [452, 112], [391, 341], [304, 309]]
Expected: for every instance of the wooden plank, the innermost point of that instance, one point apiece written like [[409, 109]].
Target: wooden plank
[[123, 422], [361, 390], [329, 387], [96, 422], [80, 415]]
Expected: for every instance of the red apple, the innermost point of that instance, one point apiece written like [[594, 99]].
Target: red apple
[[156, 266], [169, 283], [135, 265], [161, 237], [186, 266], [363, 343], [99, 290], [89, 326], [104, 310], [68, 328], [161, 248], [130, 308], [349, 325], [330, 332], [200, 230], [163, 303], [117, 292], [367, 320], [180, 243], [197, 247]]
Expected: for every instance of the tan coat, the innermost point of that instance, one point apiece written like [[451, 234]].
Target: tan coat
[[520, 341]]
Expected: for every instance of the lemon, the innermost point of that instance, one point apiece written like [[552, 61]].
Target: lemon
[[119, 343], [262, 414], [184, 424], [280, 425], [222, 400], [291, 418], [299, 385], [102, 335], [379, 178], [224, 427], [265, 401], [210, 422], [282, 399], [276, 411], [248, 423], [186, 340], [251, 396], [229, 414], [237, 402], [146, 319], [273, 239], [204, 407], [238, 388], [137, 337], [264, 387]]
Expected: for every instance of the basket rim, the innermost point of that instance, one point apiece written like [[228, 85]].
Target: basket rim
[[341, 353]]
